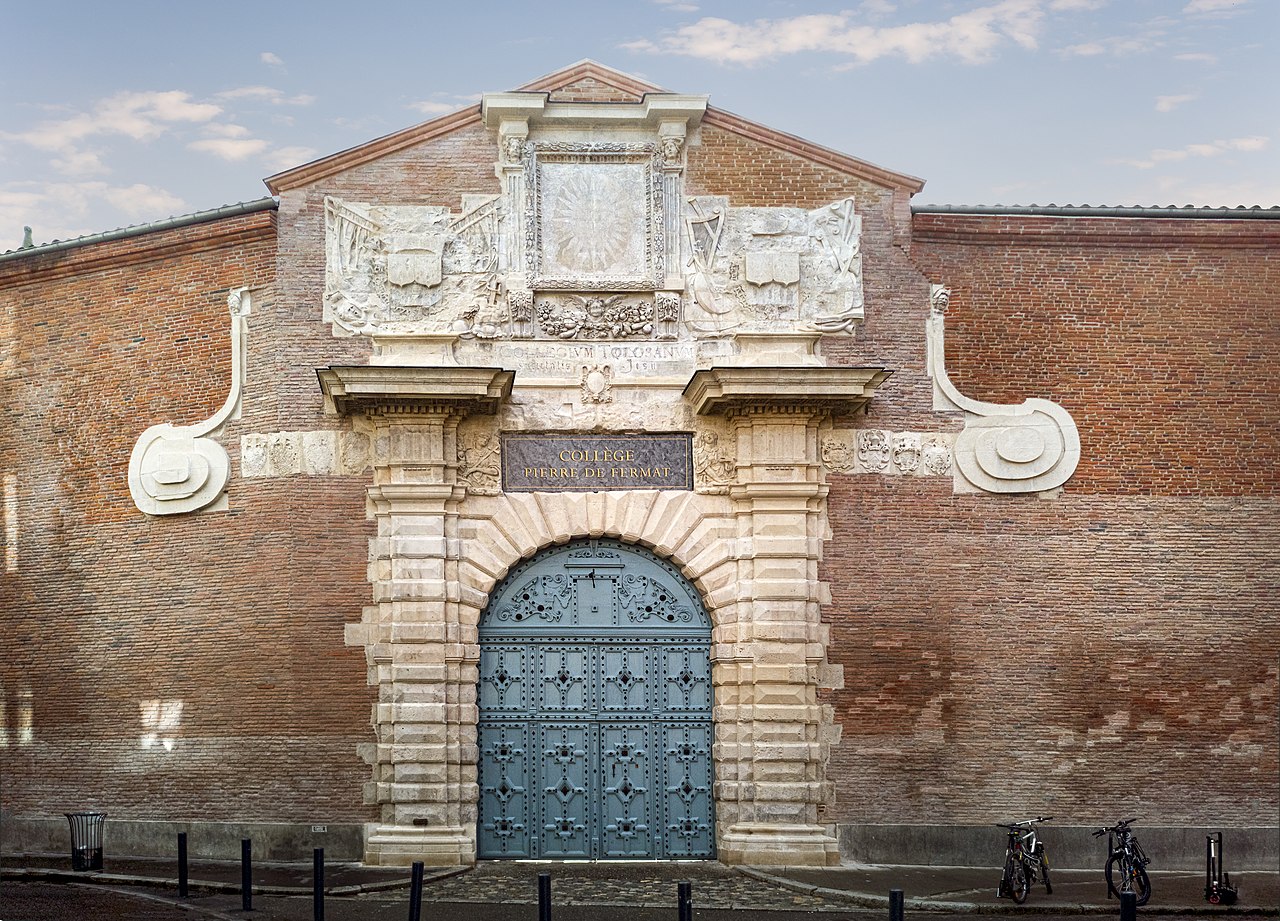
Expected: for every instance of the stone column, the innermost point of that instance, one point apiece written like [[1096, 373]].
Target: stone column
[[770, 646], [422, 659]]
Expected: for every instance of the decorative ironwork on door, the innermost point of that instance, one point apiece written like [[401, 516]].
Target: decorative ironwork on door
[[595, 709]]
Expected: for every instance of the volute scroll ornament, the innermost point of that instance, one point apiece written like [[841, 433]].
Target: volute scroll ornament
[[175, 469], [1031, 447]]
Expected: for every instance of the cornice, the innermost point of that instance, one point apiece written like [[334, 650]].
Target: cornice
[[153, 245], [839, 391], [1131, 231], [399, 389], [388, 144], [816, 153]]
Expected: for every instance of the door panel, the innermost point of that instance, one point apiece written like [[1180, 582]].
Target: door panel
[[595, 710], [565, 776], [504, 799], [686, 793], [626, 770]]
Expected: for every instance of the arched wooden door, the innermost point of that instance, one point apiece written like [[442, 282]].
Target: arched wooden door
[[595, 709]]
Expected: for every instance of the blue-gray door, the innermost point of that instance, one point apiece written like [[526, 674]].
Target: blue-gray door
[[595, 709]]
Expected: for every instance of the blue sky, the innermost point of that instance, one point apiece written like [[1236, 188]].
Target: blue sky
[[129, 112]]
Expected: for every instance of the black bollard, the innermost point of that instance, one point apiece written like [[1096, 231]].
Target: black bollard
[[415, 893], [684, 898], [317, 884], [182, 864], [1128, 906], [246, 874], [895, 905], [544, 897]]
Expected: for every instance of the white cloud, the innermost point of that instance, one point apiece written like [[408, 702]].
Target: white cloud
[[972, 36], [227, 131], [1201, 57], [141, 116], [58, 210], [1210, 149], [143, 201], [1085, 50], [1076, 6], [288, 157], [1169, 103], [679, 6], [271, 59], [233, 149], [267, 94], [1117, 46], [80, 163], [1212, 6], [428, 107]]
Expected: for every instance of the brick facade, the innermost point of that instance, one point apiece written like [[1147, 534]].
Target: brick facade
[[1111, 649]]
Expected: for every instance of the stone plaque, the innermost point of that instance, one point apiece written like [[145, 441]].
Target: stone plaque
[[564, 462]]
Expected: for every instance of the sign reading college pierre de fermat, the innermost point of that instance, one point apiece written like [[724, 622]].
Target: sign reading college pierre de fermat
[[591, 463]]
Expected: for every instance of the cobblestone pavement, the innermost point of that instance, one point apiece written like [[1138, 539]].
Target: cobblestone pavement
[[624, 884]]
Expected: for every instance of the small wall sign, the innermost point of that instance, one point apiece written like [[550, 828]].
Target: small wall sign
[[569, 462]]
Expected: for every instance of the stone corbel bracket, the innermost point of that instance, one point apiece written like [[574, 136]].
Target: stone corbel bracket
[[175, 469], [1031, 447]]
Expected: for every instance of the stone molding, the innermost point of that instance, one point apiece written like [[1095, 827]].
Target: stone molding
[[386, 388], [838, 391], [751, 544], [536, 109]]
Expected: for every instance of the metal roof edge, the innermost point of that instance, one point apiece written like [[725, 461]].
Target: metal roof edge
[[137, 230], [1240, 212]]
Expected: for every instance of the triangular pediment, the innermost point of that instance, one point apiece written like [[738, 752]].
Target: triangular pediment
[[586, 81], [590, 81]]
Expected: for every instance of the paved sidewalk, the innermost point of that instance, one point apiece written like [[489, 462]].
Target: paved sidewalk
[[357, 892]]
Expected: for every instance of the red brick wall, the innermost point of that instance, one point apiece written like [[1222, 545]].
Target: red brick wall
[[236, 614], [1112, 650], [999, 652], [1160, 336]]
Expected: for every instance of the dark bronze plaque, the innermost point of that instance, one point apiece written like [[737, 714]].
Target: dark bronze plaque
[[570, 462]]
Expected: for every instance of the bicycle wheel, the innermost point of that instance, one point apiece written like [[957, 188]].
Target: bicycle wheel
[[1044, 868], [1015, 880], [1125, 875]]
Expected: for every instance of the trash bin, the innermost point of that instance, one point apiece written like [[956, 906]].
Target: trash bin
[[86, 839]]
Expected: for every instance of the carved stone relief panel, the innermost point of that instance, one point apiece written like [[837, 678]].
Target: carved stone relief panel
[[480, 457], [763, 269], [860, 451], [838, 452], [597, 383], [594, 216], [714, 459], [323, 453], [414, 269]]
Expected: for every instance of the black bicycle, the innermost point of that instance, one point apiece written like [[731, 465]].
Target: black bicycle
[[1126, 862], [1024, 861]]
